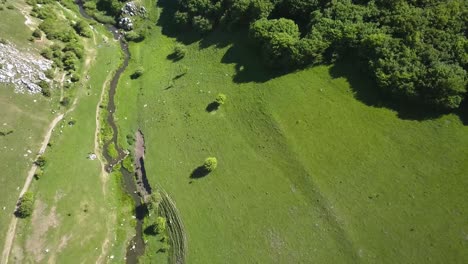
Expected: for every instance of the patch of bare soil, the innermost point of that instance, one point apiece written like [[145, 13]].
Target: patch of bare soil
[[41, 222]]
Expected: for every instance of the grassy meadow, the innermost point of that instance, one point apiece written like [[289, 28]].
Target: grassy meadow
[[311, 169], [28, 116], [77, 208]]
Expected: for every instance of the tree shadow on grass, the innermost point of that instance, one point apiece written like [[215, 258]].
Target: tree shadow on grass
[[199, 173], [150, 230], [366, 91], [213, 106], [246, 57]]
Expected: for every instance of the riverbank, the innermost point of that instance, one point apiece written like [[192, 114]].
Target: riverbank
[[78, 206]]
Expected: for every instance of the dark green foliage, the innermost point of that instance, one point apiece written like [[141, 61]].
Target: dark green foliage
[[65, 101], [40, 161], [54, 29], [75, 77], [414, 50], [202, 24], [43, 12], [50, 73], [138, 73], [130, 139], [83, 29], [45, 88], [37, 33], [179, 51], [25, 206]]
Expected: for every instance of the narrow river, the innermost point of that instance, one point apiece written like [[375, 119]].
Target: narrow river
[[137, 246]]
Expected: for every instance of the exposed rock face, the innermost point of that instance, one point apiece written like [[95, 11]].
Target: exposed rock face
[[132, 9], [22, 69], [126, 23]]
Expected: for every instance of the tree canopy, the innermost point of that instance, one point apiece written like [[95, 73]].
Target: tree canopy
[[416, 50]]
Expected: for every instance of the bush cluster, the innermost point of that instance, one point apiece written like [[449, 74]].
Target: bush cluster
[[25, 206], [414, 50]]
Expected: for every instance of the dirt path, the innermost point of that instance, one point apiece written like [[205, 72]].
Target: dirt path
[[12, 227]]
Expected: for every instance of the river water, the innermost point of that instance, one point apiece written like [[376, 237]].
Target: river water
[[137, 246]]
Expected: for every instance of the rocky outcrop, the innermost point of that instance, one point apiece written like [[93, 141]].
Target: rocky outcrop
[[22, 69]]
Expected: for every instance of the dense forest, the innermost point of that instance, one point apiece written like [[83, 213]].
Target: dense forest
[[415, 50]]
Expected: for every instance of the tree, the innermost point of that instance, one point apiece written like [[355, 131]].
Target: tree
[[153, 201], [83, 29], [179, 51], [138, 73], [25, 206], [220, 99], [202, 24], [41, 161], [210, 164]]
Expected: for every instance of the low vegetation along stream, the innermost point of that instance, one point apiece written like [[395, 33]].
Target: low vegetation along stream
[[135, 189]]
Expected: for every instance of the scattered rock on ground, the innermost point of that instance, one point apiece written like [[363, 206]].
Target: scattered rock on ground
[[22, 69]]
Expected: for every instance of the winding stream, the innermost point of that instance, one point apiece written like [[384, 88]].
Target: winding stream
[[137, 246]]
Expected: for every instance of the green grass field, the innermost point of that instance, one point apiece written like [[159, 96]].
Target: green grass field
[[77, 208], [28, 116], [307, 173]]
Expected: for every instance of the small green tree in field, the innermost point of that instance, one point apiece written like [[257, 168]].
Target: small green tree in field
[[25, 206], [138, 73], [179, 51], [40, 162], [220, 99], [210, 164], [160, 225]]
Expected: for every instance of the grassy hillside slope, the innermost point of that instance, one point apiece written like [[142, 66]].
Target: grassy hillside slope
[[26, 115], [307, 173]]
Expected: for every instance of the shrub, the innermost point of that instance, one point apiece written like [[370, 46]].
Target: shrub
[[50, 73], [45, 88], [41, 161], [83, 29], [75, 77], [65, 101], [138, 73], [160, 225], [37, 33], [181, 18], [210, 164], [220, 99], [128, 164], [135, 35], [179, 51], [202, 24], [25, 206], [130, 139], [153, 202]]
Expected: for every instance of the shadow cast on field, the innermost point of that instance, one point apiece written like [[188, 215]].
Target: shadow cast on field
[[199, 173], [149, 230], [366, 91], [213, 106], [247, 60], [249, 67]]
